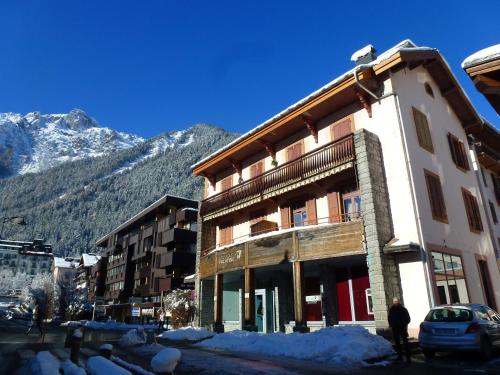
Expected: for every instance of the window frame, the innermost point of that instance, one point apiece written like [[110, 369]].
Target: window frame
[[472, 211], [458, 152], [431, 175], [425, 127]]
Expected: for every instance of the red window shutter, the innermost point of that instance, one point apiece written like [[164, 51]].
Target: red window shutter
[[285, 217], [293, 152], [341, 129], [333, 207], [312, 218]]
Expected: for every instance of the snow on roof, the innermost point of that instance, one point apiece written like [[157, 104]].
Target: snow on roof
[[482, 56], [64, 263], [90, 259], [405, 45], [362, 52]]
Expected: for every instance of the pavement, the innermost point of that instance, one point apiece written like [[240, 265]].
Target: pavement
[[17, 349]]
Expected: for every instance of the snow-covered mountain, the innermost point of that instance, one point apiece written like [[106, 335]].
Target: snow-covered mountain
[[36, 142]]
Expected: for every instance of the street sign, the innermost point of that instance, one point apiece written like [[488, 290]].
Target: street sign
[[136, 311]]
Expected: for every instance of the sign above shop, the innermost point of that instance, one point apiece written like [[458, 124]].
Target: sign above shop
[[135, 311]]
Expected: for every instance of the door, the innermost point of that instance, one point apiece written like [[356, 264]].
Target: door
[[354, 300], [313, 299], [260, 310]]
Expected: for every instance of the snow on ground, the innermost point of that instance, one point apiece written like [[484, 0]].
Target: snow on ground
[[99, 366], [483, 55], [340, 346], [129, 366], [69, 368], [187, 334], [45, 364]]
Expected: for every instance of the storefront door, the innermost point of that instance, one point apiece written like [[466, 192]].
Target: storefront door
[[353, 294], [260, 310]]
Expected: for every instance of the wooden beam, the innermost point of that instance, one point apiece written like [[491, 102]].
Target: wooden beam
[[448, 91], [249, 300], [270, 148], [299, 299], [218, 300], [311, 126], [365, 102], [236, 166], [210, 178]]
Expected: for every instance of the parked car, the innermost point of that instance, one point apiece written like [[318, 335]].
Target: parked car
[[468, 327]]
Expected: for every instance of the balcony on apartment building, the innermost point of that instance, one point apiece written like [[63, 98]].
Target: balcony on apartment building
[[142, 290], [312, 166], [267, 244], [178, 235]]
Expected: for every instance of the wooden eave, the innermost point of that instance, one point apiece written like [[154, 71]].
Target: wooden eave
[[486, 78], [340, 95]]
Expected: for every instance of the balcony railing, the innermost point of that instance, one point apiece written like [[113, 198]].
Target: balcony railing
[[317, 161]]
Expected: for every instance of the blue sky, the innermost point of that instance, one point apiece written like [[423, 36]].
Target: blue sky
[[146, 67]]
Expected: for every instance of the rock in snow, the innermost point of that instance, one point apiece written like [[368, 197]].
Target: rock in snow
[[166, 360], [133, 337]]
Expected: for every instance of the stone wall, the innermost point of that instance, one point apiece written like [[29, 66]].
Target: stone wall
[[375, 206]]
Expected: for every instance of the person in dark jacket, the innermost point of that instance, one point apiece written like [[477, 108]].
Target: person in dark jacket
[[36, 319], [399, 318]]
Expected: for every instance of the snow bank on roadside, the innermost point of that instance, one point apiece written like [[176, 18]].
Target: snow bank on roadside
[[342, 346], [187, 334], [92, 324], [133, 337], [45, 364], [166, 361]]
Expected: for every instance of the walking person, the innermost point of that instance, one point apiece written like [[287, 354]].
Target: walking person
[[399, 318], [36, 319]]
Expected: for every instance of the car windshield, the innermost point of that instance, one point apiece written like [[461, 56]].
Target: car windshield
[[449, 314]]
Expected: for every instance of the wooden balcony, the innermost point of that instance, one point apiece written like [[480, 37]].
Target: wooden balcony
[[310, 165], [308, 243]]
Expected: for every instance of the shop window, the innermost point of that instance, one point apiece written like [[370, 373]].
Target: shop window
[[449, 278], [423, 130], [458, 152], [436, 198], [472, 211]]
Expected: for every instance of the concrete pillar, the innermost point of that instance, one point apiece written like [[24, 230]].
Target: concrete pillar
[[206, 303], [218, 300], [382, 271], [329, 297]]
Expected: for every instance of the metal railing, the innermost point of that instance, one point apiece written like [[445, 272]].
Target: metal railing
[[320, 160]]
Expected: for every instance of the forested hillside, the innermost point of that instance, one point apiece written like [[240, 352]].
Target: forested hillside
[[75, 203]]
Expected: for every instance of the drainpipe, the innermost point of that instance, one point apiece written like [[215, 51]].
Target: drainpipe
[[402, 133]]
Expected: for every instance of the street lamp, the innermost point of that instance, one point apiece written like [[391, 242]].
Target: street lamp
[[19, 220]]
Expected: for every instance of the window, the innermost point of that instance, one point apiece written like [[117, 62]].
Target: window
[[493, 212], [449, 278], [458, 152], [436, 198], [295, 151], [256, 169], [299, 215], [423, 131], [352, 205], [496, 187], [225, 233], [428, 89], [484, 177], [369, 301], [472, 210]]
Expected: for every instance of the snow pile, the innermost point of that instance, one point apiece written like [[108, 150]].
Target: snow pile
[[482, 56], [69, 368], [45, 364], [101, 366], [133, 337], [341, 346], [129, 366], [166, 360], [92, 324], [187, 334]]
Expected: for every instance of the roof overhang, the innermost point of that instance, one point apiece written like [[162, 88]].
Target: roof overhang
[[337, 95]]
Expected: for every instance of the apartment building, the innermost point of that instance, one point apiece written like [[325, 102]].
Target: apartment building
[[97, 280], [64, 271], [82, 276], [360, 192], [149, 254], [29, 257]]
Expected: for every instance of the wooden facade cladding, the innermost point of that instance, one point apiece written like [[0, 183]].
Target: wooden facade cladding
[[310, 167], [319, 242]]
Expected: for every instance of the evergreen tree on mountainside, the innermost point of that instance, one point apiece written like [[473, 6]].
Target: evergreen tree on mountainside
[[74, 204]]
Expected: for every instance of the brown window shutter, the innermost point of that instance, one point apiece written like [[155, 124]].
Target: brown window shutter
[[226, 183], [289, 153], [423, 130], [312, 217], [333, 207], [463, 152], [341, 129], [453, 151], [436, 197], [285, 217], [256, 169]]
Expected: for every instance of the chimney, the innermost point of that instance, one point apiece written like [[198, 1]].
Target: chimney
[[365, 55]]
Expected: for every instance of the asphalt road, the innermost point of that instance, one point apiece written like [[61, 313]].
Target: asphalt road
[[16, 348]]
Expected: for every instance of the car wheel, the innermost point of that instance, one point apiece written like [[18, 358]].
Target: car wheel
[[486, 349], [429, 353]]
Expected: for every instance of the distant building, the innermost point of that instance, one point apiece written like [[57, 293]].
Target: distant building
[[149, 254], [97, 280], [64, 271], [82, 277], [29, 257]]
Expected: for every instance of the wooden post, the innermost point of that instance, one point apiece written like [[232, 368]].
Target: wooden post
[[249, 300], [218, 326], [299, 300]]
